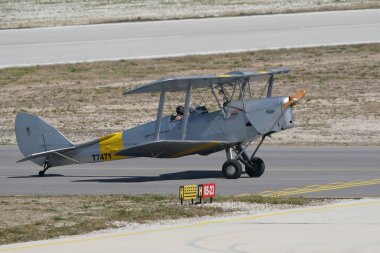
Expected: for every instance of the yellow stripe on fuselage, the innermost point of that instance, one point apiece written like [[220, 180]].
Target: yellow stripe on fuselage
[[111, 144]]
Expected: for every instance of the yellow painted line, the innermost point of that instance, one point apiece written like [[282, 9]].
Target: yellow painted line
[[313, 186], [266, 192], [338, 183], [318, 188], [199, 224], [195, 149], [288, 189], [310, 190]]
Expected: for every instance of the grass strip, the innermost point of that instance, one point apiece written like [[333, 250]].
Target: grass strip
[[30, 217], [85, 100]]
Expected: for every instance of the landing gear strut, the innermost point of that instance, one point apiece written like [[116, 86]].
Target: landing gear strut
[[46, 166], [254, 166]]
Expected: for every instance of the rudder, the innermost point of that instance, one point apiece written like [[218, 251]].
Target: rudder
[[34, 135]]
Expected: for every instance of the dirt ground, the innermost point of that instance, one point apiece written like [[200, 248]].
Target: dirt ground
[[26, 13], [29, 218], [85, 101]]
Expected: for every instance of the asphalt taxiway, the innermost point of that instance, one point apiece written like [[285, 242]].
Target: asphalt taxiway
[[290, 171], [25, 47]]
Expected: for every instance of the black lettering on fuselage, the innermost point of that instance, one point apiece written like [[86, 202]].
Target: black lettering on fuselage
[[101, 157]]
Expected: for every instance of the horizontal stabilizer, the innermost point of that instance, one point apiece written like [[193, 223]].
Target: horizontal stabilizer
[[173, 148], [46, 153]]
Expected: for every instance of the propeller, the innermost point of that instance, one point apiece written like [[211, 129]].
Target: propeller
[[294, 99]]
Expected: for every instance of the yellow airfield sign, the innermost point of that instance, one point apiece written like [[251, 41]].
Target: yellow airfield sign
[[188, 192], [201, 191]]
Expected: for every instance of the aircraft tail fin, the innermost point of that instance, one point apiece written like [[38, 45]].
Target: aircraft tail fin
[[35, 136]]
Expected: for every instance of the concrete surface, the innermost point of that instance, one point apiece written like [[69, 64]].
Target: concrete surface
[[312, 171], [350, 226], [22, 47]]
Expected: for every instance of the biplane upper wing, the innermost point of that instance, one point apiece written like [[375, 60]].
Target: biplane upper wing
[[180, 83], [172, 148]]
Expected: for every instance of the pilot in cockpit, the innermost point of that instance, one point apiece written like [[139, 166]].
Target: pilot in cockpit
[[179, 110]]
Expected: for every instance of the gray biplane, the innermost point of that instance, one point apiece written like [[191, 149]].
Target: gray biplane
[[238, 120]]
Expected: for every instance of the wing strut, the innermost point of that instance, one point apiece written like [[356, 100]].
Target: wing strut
[[217, 101], [159, 116], [187, 111], [270, 86]]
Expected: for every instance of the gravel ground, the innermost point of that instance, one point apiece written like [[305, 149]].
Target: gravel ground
[[34, 217], [85, 101], [26, 13], [241, 209]]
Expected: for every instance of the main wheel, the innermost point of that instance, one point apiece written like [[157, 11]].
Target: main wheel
[[231, 169], [41, 173], [257, 167]]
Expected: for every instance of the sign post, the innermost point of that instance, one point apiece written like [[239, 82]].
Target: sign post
[[208, 191], [201, 191], [188, 192]]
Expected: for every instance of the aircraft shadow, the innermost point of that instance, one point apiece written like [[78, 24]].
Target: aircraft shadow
[[46, 175], [184, 175]]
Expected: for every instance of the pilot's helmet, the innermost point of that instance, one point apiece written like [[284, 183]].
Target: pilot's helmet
[[179, 110]]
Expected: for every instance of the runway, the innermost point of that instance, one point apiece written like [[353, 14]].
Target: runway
[[24, 47], [290, 171], [351, 226]]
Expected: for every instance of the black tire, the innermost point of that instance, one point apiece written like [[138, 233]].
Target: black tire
[[257, 167], [41, 173], [231, 169]]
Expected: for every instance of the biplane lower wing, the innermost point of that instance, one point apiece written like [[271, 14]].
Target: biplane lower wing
[[173, 148]]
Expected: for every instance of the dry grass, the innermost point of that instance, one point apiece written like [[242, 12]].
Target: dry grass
[[25, 13], [26, 218], [85, 100]]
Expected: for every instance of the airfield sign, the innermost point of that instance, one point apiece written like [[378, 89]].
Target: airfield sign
[[201, 191]]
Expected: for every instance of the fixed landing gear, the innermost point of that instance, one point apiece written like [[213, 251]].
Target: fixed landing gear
[[46, 166], [254, 166], [232, 169]]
